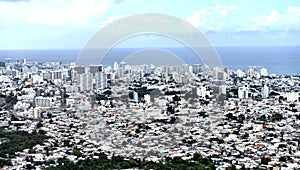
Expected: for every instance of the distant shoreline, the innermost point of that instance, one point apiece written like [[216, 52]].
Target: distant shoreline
[[280, 60]]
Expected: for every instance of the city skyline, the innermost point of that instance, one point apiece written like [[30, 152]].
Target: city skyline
[[136, 84], [81, 116]]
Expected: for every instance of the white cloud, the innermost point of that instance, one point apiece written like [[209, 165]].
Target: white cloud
[[277, 20], [267, 20], [199, 18], [207, 18], [273, 17], [293, 14], [53, 12], [293, 9]]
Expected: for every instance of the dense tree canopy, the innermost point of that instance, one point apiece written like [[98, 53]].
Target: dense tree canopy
[[117, 162], [17, 141]]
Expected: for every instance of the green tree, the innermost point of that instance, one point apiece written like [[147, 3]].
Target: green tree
[[265, 160], [76, 152]]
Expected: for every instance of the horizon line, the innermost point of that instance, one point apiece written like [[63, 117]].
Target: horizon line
[[216, 46]]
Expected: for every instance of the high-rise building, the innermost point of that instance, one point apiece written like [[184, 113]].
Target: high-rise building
[[263, 72], [185, 68], [88, 77], [222, 89], [100, 80], [135, 97], [240, 73], [14, 73], [165, 72], [116, 66], [243, 92], [47, 75], [79, 69], [251, 72], [86, 82], [94, 69], [196, 68], [176, 69], [57, 74], [264, 91], [221, 75], [23, 61], [65, 74], [63, 100], [123, 65], [7, 60]]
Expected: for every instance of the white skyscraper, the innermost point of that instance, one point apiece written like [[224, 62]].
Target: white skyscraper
[[196, 68], [101, 81], [135, 97], [265, 91], [86, 82], [185, 68], [23, 61], [85, 78], [116, 66], [240, 73], [251, 72], [243, 92], [263, 72]]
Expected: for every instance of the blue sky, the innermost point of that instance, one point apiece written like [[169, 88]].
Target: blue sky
[[36, 24]]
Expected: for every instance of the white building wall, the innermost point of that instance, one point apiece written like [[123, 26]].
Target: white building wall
[[243, 92], [100, 80]]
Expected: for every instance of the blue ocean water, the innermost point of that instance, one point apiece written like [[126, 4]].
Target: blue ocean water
[[281, 60]]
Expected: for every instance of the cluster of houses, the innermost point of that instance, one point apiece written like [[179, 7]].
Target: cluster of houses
[[246, 119]]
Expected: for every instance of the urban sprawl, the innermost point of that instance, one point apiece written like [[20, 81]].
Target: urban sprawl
[[235, 118]]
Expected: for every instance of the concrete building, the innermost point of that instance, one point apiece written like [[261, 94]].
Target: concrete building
[[116, 66], [86, 82], [221, 75], [265, 91], [147, 98], [201, 91], [263, 72], [240, 73], [292, 96], [88, 77], [196, 68], [135, 97], [251, 72], [44, 101], [57, 74], [243, 92], [185, 68], [47, 75], [101, 80]]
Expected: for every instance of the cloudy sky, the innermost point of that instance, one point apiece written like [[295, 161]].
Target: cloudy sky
[[36, 24]]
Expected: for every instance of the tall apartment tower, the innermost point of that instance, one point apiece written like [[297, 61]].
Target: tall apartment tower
[[63, 97], [100, 80], [243, 92], [86, 78], [264, 91]]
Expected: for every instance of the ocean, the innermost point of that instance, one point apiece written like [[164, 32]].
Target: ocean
[[280, 60]]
